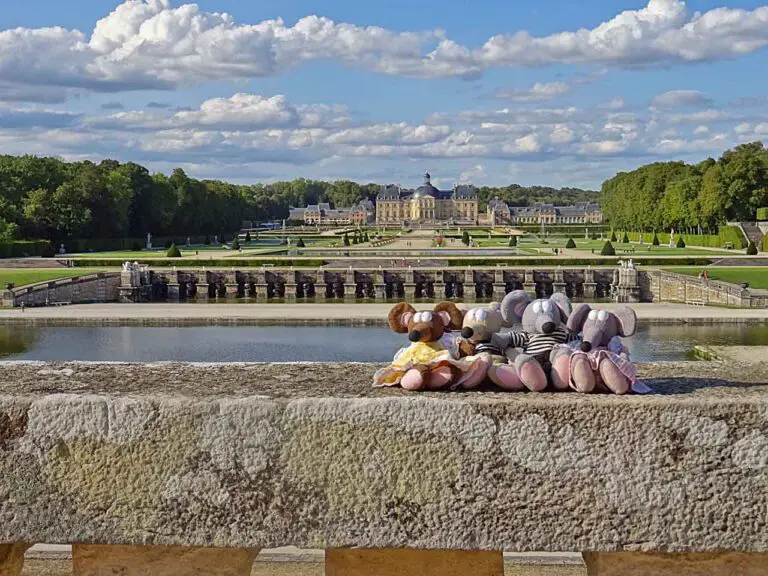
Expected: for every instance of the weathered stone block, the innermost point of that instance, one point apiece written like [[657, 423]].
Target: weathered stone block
[[266, 455]]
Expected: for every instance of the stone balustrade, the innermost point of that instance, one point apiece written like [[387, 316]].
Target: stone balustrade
[[193, 468]]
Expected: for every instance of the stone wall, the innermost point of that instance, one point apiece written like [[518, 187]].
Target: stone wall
[[668, 287], [101, 287], [260, 455]]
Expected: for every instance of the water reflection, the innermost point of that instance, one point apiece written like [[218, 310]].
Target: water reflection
[[15, 340], [310, 343]]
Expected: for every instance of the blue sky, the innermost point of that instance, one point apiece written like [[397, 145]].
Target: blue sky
[[560, 93]]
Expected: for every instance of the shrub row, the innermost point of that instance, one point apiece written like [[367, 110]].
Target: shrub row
[[216, 263], [26, 248], [602, 261], [725, 235], [762, 214]]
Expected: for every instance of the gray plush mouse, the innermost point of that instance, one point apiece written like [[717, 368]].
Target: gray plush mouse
[[544, 327], [600, 361]]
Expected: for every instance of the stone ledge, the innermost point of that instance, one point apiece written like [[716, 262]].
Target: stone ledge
[[262, 456]]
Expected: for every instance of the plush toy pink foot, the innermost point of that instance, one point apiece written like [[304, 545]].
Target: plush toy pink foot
[[561, 367], [439, 377], [613, 378], [531, 373], [582, 375], [504, 376], [412, 380], [480, 370]]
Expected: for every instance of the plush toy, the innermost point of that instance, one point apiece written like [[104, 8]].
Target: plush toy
[[432, 360], [483, 339], [544, 327], [600, 362]]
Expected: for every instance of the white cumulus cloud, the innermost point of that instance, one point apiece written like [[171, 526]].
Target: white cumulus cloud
[[145, 44]]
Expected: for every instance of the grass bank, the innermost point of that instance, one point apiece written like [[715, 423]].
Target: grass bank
[[757, 276], [25, 276]]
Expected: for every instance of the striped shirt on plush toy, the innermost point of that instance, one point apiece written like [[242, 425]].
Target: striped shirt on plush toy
[[540, 345]]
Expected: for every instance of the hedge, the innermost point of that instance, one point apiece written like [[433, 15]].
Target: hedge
[[75, 245], [25, 248], [197, 264], [725, 235], [762, 214], [554, 261]]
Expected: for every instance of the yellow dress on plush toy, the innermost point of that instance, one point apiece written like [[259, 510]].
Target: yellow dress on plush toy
[[421, 353], [428, 354]]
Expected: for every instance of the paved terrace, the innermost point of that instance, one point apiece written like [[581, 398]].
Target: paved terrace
[[339, 314], [181, 468]]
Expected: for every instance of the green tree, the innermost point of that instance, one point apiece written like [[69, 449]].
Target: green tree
[[608, 249], [173, 251], [570, 243], [465, 238]]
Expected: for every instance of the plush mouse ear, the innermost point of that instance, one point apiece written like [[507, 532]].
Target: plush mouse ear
[[400, 316], [577, 319], [452, 317], [513, 306], [627, 320], [564, 303]]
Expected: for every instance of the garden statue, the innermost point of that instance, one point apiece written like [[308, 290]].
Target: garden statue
[[149, 241], [672, 238], [62, 250]]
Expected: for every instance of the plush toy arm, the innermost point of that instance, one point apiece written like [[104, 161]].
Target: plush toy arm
[[616, 346], [466, 348], [518, 339]]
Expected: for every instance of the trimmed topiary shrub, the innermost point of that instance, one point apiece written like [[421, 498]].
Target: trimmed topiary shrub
[[247, 237], [751, 249], [625, 239], [465, 238], [300, 243], [570, 243], [173, 251], [680, 242], [207, 241], [345, 241], [655, 241], [613, 237], [512, 241], [608, 249], [235, 244]]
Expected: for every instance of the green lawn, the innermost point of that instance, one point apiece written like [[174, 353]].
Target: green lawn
[[757, 276], [23, 276]]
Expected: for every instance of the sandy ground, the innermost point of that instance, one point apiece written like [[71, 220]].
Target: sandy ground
[[328, 312]]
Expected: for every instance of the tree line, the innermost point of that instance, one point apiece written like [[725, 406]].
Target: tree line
[[686, 197], [47, 198]]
